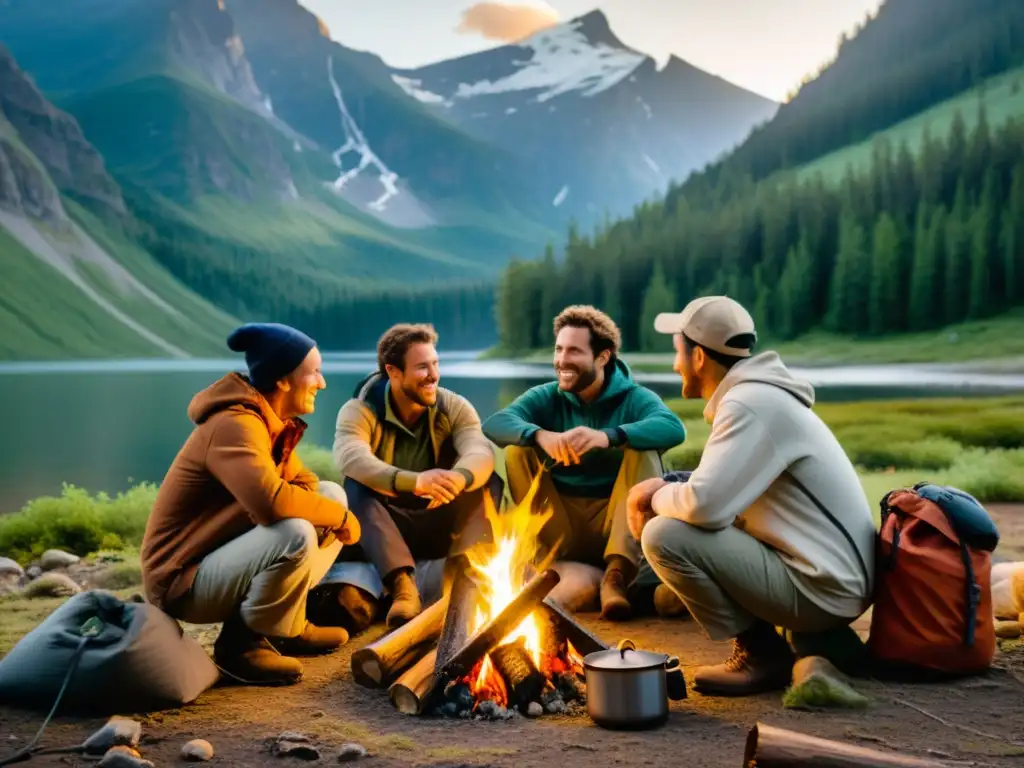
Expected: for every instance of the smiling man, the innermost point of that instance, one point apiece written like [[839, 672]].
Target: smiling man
[[416, 467], [602, 433], [241, 530]]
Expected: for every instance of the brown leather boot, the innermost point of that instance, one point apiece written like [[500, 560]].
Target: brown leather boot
[[615, 605], [313, 641], [247, 657], [667, 603], [405, 599], [360, 607], [761, 661]]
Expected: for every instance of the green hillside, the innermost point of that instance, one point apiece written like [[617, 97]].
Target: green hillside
[[906, 242], [1001, 97]]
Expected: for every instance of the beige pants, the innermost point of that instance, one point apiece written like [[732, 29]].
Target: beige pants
[[267, 572], [592, 530], [728, 579]]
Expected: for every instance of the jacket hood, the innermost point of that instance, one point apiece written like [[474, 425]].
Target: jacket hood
[[231, 391], [765, 368], [620, 381]]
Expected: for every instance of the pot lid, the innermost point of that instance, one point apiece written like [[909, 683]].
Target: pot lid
[[626, 656]]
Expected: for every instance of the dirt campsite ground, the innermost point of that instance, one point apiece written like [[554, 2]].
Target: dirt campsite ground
[[974, 722]]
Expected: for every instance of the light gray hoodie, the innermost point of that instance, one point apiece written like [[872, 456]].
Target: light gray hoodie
[[762, 425]]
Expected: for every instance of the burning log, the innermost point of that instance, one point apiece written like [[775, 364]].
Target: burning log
[[496, 630], [524, 682], [413, 691], [462, 603], [770, 747], [582, 640], [377, 665]]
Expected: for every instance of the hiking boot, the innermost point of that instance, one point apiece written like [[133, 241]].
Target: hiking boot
[[615, 605], [313, 641], [761, 661], [667, 603], [248, 657], [405, 599], [360, 607]]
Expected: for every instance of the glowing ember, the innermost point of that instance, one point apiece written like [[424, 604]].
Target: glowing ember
[[500, 572]]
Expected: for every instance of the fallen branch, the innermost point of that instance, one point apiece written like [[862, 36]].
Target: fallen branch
[[379, 664], [770, 747]]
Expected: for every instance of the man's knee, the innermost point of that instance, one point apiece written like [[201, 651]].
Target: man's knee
[[665, 538], [296, 538], [331, 490]]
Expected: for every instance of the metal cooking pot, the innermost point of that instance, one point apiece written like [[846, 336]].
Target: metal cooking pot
[[627, 688]]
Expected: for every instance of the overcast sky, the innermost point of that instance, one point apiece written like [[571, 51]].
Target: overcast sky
[[767, 46]]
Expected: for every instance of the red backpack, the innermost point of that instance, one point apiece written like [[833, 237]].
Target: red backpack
[[932, 614]]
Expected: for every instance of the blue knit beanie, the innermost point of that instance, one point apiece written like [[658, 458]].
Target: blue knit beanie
[[272, 351]]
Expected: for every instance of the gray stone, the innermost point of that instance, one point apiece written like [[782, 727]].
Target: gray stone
[[197, 751], [52, 585], [9, 567], [119, 731], [123, 757], [57, 558], [535, 709], [351, 752], [300, 750], [294, 736], [555, 707], [34, 572]]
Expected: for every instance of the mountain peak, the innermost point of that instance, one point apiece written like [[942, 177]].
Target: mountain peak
[[595, 27]]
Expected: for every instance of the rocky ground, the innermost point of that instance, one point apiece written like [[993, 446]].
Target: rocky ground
[[973, 722]]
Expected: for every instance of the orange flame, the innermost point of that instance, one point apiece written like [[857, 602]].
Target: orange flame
[[499, 571]]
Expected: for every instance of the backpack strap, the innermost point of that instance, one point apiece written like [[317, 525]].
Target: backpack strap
[[835, 522]]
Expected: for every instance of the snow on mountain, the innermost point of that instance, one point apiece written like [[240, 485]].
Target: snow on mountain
[[589, 113]]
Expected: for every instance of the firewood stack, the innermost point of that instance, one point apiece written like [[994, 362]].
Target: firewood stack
[[428, 664]]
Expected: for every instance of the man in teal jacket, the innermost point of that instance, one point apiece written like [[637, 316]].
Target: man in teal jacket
[[600, 433]]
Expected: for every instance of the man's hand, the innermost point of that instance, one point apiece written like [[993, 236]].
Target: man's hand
[[638, 504], [585, 439], [352, 531], [441, 486], [558, 446]]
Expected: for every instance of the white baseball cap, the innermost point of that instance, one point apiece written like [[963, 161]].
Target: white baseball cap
[[715, 322]]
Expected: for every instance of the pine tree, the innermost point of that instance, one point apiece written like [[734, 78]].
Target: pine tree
[[984, 230], [659, 297], [885, 297], [549, 285], [796, 300], [1012, 244], [850, 280], [957, 272], [926, 273]]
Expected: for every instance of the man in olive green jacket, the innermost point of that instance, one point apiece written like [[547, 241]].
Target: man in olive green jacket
[[416, 466]]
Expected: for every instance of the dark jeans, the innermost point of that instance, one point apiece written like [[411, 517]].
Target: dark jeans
[[396, 532]]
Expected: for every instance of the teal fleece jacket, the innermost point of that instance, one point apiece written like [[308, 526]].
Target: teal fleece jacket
[[630, 414]]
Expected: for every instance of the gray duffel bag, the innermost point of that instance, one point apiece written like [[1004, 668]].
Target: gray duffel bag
[[127, 657]]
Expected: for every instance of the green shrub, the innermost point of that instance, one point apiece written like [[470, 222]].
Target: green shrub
[[119, 576], [992, 476], [77, 522], [319, 461]]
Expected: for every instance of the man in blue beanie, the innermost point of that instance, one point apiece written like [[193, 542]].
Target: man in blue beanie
[[241, 530]]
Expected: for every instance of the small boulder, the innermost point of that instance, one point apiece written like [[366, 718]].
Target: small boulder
[[57, 558], [817, 683], [292, 744], [351, 752], [9, 567], [197, 751], [33, 572], [1008, 629], [51, 585], [119, 731], [534, 709], [123, 757]]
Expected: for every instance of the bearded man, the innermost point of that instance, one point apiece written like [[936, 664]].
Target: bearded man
[[417, 467], [602, 433]]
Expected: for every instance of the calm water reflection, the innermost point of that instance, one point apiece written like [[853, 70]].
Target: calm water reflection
[[107, 425]]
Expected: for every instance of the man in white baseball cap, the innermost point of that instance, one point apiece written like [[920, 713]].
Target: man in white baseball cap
[[772, 529]]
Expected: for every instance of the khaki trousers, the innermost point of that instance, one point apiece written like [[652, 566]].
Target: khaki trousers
[[593, 530], [266, 572], [728, 579]]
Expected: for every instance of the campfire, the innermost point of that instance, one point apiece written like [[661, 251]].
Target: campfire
[[494, 645]]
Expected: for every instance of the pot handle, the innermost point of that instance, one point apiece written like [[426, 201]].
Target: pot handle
[[675, 681], [625, 645]]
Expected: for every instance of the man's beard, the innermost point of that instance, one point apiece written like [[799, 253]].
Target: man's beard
[[414, 394], [584, 377]]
